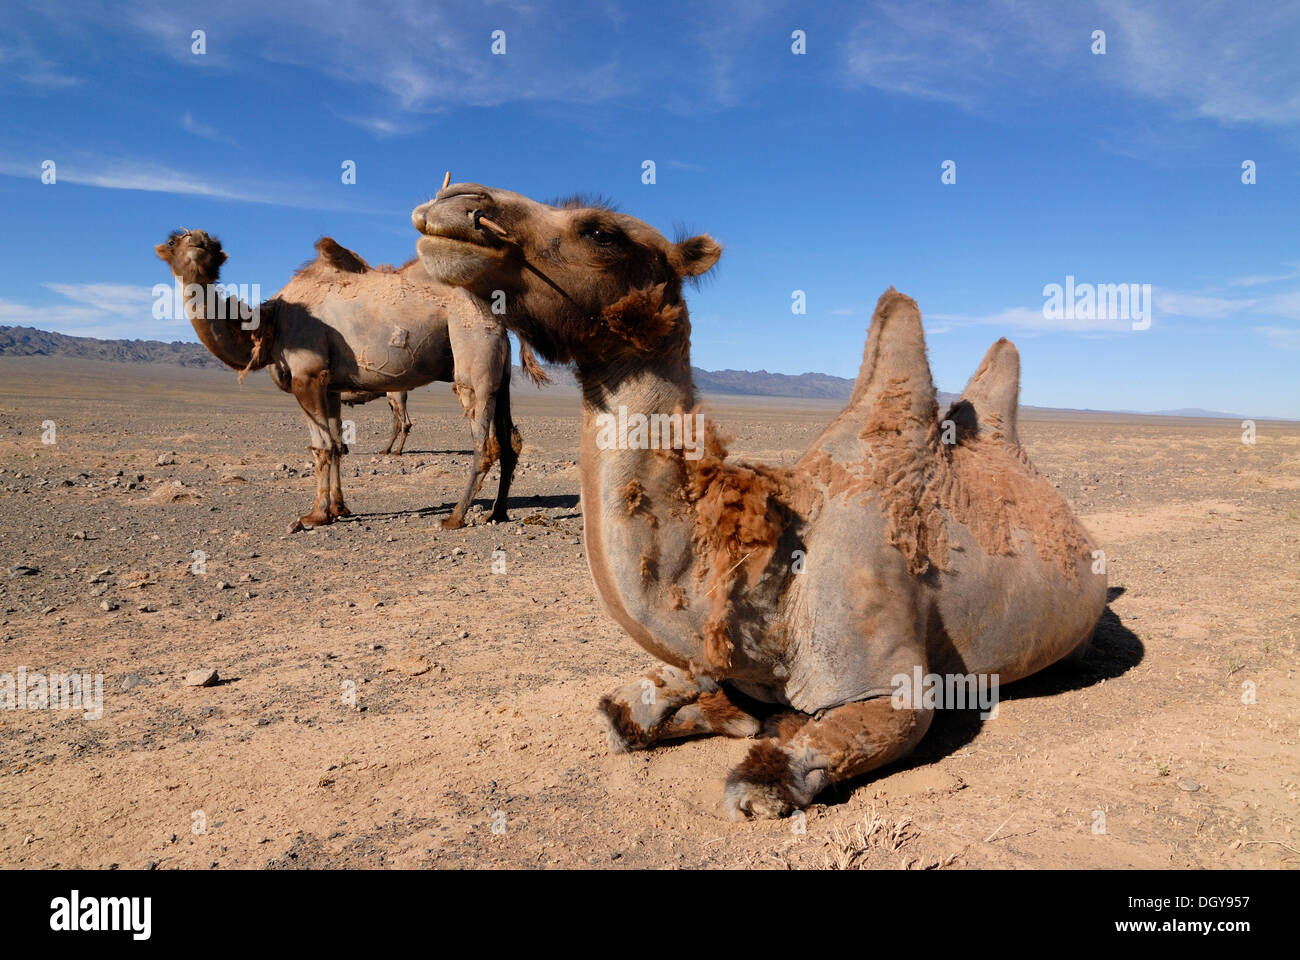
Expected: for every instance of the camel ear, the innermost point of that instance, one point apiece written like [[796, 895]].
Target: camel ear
[[894, 383], [994, 391], [699, 255]]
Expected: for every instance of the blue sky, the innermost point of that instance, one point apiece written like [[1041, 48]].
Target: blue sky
[[819, 172]]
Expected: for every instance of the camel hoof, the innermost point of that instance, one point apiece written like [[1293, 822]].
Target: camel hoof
[[314, 520], [620, 731], [501, 517], [295, 527], [453, 523], [340, 512], [761, 787]]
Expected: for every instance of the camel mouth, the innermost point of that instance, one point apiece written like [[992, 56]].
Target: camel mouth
[[457, 261]]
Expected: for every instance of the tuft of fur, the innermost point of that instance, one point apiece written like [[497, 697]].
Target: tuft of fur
[[532, 368], [643, 319]]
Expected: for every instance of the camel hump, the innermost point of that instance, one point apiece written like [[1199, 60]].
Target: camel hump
[[340, 257], [994, 392], [894, 386]]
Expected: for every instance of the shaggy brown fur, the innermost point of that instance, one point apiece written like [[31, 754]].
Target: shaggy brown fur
[[645, 322], [739, 517], [766, 767]]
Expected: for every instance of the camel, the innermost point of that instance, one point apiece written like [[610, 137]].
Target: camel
[[341, 328], [786, 603], [396, 403]]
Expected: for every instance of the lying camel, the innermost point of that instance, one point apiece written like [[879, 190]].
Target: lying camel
[[396, 403], [339, 327], [786, 602]]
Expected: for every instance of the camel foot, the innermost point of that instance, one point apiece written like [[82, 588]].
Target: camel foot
[[770, 783], [668, 704], [452, 523], [295, 527], [499, 516], [340, 511], [314, 519]]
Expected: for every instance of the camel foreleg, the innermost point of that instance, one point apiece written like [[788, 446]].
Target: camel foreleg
[[337, 508], [479, 407], [803, 759]]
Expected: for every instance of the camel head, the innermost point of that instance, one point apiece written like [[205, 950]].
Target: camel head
[[193, 255], [580, 280]]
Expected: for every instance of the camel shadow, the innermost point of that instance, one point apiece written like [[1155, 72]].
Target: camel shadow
[[430, 453], [517, 504], [1115, 650]]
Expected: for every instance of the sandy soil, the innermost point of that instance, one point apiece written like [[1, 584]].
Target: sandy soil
[[475, 691]]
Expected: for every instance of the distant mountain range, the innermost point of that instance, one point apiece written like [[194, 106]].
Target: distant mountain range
[[30, 342]]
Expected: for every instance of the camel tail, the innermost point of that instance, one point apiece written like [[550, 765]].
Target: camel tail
[[993, 393], [531, 367], [894, 388]]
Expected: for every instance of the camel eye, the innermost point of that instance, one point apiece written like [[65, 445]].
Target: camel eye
[[171, 243], [605, 238]]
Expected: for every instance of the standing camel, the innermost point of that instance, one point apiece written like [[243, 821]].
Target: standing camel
[[901, 543], [340, 326]]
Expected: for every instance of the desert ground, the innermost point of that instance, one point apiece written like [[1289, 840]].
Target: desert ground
[[472, 741]]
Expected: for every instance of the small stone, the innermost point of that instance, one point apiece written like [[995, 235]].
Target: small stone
[[464, 634], [201, 678], [79, 535], [108, 606], [165, 460], [133, 680], [1191, 786], [23, 570], [458, 552], [217, 616]]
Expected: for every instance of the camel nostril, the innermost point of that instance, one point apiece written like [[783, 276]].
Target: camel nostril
[[417, 220]]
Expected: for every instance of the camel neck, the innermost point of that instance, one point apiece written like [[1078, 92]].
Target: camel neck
[[216, 322], [637, 537]]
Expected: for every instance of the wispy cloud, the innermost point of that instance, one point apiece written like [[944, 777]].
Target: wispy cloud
[[1257, 280], [134, 174], [107, 310], [1285, 338], [1179, 305], [23, 65], [200, 129], [1218, 61]]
